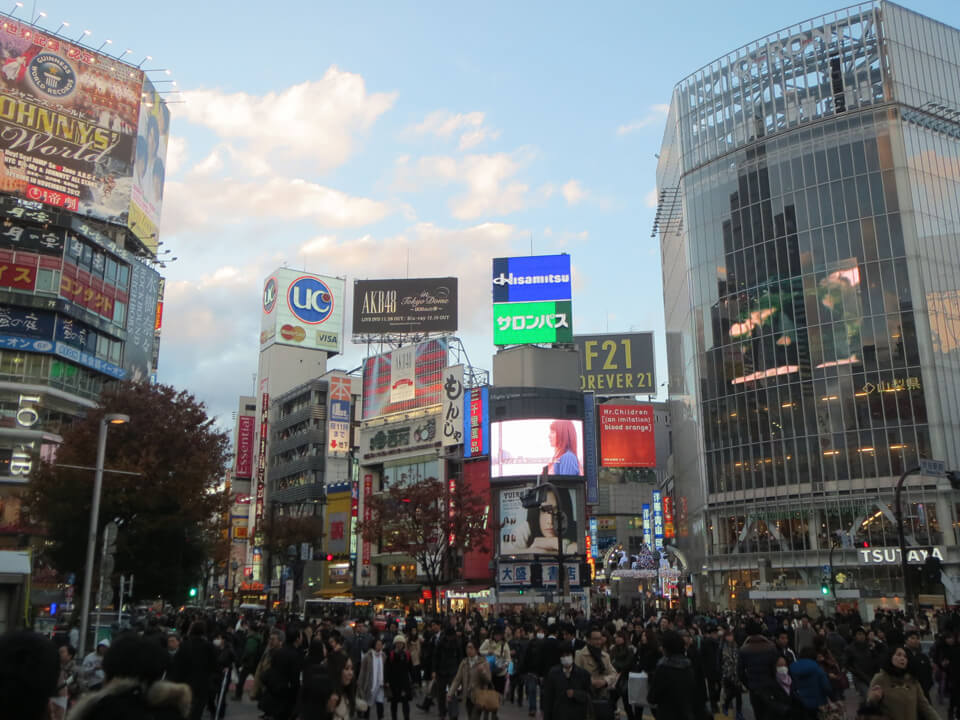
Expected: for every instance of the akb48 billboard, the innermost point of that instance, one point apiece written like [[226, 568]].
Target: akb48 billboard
[[302, 310]]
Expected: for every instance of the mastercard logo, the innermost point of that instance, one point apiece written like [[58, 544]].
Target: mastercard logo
[[293, 332]]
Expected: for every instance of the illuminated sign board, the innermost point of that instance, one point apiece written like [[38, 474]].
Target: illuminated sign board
[[531, 278], [476, 410], [658, 520], [517, 323], [627, 436], [647, 525]]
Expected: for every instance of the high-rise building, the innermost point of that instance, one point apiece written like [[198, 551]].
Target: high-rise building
[[79, 281], [808, 221]]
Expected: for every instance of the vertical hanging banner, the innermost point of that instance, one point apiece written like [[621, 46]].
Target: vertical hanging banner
[[244, 467], [658, 520], [594, 545], [261, 471], [476, 403], [338, 416], [367, 513], [647, 525], [668, 529], [402, 374], [452, 406], [590, 447]]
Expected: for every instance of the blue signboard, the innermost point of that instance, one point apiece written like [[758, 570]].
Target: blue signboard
[[594, 545], [476, 420], [647, 525], [657, 520], [590, 448], [86, 359], [21, 322], [531, 278]]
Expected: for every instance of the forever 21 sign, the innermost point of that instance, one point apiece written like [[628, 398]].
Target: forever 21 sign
[[410, 305]]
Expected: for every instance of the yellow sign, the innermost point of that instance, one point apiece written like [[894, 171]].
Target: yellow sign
[[895, 385]]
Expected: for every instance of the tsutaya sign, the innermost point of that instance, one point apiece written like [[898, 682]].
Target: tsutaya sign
[[891, 556]]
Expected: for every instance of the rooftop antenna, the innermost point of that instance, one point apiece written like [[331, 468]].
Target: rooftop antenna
[[531, 243], [408, 262]]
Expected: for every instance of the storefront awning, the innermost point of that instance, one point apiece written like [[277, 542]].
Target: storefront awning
[[14, 562]]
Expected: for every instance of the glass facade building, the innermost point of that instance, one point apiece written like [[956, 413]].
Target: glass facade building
[[809, 211]]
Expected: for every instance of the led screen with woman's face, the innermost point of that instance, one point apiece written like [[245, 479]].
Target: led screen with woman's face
[[524, 447]]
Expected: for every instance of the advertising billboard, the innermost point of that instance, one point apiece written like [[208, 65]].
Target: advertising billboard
[[476, 406], [590, 448], [452, 408], [627, 436], [647, 525], [525, 447], [302, 310], [531, 278], [476, 561], [411, 305], [149, 166], [657, 497], [338, 416], [244, 468], [141, 320], [68, 123], [380, 376], [517, 323], [613, 365], [531, 531]]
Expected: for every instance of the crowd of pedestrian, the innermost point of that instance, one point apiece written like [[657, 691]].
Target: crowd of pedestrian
[[679, 666]]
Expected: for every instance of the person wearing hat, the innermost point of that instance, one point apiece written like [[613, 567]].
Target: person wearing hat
[[91, 671], [397, 677]]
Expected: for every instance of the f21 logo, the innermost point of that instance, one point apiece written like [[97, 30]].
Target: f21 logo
[[310, 300]]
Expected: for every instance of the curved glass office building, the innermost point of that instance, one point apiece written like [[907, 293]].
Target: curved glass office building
[[809, 222]]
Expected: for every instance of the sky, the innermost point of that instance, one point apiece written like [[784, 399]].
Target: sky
[[417, 139]]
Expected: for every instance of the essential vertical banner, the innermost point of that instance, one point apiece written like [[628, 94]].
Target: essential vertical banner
[[452, 406], [261, 470], [338, 416], [647, 525], [476, 403], [657, 520], [403, 374], [668, 529], [245, 428], [590, 448], [367, 513]]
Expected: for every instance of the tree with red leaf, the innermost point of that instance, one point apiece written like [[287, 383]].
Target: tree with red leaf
[[168, 508], [428, 523]]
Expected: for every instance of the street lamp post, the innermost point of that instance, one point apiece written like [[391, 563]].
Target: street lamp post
[[105, 421], [904, 566]]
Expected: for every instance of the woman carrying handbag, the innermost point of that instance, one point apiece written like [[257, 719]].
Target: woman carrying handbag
[[473, 678]]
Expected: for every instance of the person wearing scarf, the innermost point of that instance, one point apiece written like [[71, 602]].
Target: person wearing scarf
[[897, 693]]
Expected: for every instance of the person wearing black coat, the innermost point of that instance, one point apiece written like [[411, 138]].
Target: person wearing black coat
[[757, 657], [397, 673], [669, 688], [281, 682], [446, 661], [919, 665], [133, 667], [225, 659], [566, 690], [195, 664]]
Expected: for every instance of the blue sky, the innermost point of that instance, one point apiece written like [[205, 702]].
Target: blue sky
[[342, 136]]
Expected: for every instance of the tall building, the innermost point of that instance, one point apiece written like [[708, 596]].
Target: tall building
[[808, 221], [79, 282]]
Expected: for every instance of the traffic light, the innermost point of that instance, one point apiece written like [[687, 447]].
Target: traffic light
[[824, 587], [193, 592], [329, 557], [520, 591]]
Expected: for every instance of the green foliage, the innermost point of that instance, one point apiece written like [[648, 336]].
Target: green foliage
[[165, 511]]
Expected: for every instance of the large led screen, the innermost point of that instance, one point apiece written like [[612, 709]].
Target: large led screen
[[525, 447]]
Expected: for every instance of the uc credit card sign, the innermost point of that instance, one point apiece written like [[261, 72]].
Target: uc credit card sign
[[531, 278]]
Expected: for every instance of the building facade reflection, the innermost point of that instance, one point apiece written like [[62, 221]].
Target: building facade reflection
[[811, 282]]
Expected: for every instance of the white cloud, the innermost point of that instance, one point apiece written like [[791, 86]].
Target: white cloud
[[573, 192], [656, 114], [176, 154], [313, 122], [491, 186], [651, 198], [205, 202], [445, 124]]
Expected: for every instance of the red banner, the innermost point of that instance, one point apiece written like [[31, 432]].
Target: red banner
[[245, 425], [626, 436], [21, 277], [476, 482], [668, 529], [367, 513]]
